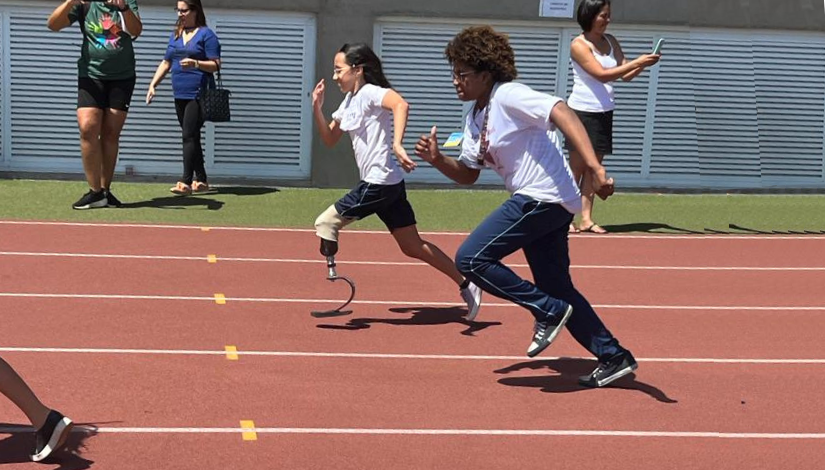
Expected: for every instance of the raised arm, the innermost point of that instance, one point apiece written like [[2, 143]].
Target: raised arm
[[427, 149], [580, 52], [131, 20], [59, 19], [621, 59], [400, 112], [330, 132]]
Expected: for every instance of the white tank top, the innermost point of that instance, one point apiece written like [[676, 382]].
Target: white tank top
[[589, 94]]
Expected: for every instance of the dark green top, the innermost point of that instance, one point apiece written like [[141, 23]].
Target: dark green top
[[106, 52]]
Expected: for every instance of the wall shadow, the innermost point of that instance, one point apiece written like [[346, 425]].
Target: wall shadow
[[421, 316], [17, 447], [565, 378]]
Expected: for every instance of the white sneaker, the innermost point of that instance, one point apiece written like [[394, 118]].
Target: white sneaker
[[472, 296]]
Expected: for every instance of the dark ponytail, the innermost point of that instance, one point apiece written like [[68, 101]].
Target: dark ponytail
[[361, 55]]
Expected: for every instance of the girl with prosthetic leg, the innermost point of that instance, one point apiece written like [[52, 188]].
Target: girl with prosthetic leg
[[375, 116]]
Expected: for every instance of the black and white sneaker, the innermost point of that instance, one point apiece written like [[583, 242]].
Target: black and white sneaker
[[51, 436], [472, 297], [91, 200], [111, 200], [545, 332], [606, 372]]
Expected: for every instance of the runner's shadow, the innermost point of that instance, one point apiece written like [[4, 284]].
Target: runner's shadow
[[175, 202], [647, 228], [421, 316], [16, 448], [566, 380]]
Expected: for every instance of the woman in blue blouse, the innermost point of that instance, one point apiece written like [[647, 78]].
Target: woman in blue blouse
[[193, 55]]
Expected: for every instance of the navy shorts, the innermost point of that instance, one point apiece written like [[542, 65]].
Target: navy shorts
[[388, 201]]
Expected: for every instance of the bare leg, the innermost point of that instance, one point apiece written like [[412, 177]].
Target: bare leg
[[90, 120], [585, 179], [13, 387], [113, 121], [413, 246]]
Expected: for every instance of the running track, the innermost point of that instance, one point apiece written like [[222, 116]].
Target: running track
[[192, 348]]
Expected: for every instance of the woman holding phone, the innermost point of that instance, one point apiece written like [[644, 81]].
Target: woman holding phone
[[598, 61], [193, 55]]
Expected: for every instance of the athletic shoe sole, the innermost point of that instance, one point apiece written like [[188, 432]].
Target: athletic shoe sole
[[618, 375], [553, 334], [58, 438], [92, 205]]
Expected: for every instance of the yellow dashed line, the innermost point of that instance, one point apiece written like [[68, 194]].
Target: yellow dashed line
[[232, 354], [212, 258], [248, 435], [220, 299]]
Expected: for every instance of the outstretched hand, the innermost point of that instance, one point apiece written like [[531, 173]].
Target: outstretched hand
[[318, 94], [427, 146], [403, 159]]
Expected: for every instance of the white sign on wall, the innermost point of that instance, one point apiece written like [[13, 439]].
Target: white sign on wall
[[556, 8]]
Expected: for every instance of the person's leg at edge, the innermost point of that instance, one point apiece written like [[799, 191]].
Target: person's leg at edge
[[194, 109], [186, 148], [588, 195], [16, 390], [549, 261], [90, 122], [413, 246]]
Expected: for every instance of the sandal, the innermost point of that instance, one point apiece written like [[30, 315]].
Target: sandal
[[199, 187], [594, 228], [181, 189]]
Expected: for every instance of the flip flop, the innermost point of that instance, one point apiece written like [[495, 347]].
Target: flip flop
[[594, 228]]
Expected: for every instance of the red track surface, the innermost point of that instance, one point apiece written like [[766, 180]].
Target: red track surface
[[165, 384]]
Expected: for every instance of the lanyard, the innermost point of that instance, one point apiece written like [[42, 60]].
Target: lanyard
[[484, 143]]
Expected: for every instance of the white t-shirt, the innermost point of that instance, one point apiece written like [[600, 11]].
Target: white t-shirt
[[522, 145], [370, 128]]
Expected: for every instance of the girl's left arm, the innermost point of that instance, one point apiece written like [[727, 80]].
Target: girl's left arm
[[400, 112], [621, 60], [212, 47], [131, 20]]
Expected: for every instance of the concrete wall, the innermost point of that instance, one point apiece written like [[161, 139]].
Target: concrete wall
[[341, 21]]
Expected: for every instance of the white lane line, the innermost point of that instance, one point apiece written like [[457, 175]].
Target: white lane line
[[460, 234], [85, 429], [425, 357], [395, 263], [397, 303]]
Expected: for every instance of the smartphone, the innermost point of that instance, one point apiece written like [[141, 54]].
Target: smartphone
[[658, 48]]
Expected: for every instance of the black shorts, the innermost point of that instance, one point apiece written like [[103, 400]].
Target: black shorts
[[599, 128], [105, 94], [388, 201]]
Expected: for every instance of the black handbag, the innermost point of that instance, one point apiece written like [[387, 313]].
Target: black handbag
[[215, 101]]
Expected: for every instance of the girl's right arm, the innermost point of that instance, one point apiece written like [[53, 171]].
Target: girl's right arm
[[59, 18], [161, 72], [580, 52], [330, 132]]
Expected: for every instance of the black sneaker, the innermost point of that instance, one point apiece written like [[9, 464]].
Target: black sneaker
[[91, 200], [111, 200], [545, 332], [51, 436], [606, 372]]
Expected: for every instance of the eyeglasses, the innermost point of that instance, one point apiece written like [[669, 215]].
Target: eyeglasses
[[338, 72], [461, 75], [182, 11]]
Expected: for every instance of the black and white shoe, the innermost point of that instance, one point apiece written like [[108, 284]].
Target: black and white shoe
[[472, 297], [91, 200], [111, 200], [545, 332], [51, 436], [606, 372]]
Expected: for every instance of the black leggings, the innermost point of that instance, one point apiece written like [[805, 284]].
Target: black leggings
[[190, 118]]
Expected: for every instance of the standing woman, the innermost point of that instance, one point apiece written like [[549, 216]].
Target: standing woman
[[106, 80], [598, 61], [193, 55]]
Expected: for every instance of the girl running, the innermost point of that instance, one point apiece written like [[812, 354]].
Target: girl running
[[375, 116]]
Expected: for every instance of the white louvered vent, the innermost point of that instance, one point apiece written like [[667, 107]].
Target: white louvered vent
[[675, 151], [725, 94], [790, 95]]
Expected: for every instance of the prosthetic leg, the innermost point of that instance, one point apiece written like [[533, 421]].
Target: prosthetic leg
[[327, 225]]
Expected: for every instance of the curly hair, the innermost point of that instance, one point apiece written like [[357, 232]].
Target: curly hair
[[485, 50]]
